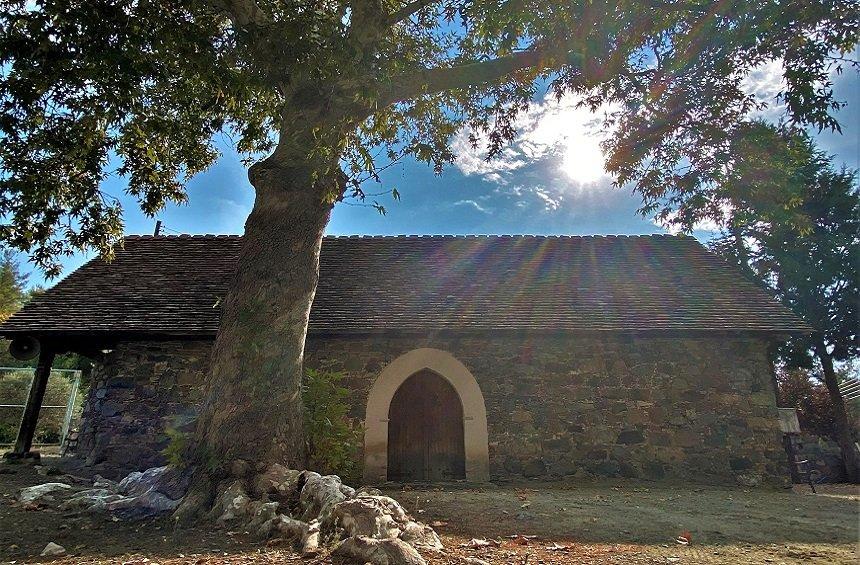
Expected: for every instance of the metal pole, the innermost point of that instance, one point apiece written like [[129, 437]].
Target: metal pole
[[70, 408]]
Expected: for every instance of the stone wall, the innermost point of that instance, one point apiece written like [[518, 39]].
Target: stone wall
[[690, 409], [138, 393]]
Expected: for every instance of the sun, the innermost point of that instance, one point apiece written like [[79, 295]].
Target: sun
[[582, 160]]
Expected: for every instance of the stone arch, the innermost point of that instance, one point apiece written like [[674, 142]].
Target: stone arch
[[379, 400]]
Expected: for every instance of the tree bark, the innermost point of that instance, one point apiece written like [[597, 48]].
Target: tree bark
[[252, 415], [844, 438]]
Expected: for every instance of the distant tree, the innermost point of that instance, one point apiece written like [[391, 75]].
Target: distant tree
[[13, 285], [333, 91], [805, 391], [792, 222]]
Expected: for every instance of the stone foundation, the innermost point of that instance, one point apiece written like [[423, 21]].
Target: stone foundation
[[697, 409]]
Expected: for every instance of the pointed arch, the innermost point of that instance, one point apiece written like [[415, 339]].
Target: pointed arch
[[475, 436]]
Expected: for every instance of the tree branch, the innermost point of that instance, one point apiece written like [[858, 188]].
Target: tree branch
[[407, 10], [431, 81], [367, 22], [243, 12]]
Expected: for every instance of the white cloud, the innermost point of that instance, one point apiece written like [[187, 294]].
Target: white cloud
[[473, 204], [554, 136], [552, 200], [765, 82]]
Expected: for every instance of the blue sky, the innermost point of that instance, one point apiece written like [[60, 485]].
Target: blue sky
[[548, 182]]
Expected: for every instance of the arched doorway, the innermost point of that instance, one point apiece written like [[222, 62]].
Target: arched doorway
[[425, 431], [386, 385]]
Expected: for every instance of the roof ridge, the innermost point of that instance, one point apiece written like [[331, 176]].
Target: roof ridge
[[424, 236], [184, 236]]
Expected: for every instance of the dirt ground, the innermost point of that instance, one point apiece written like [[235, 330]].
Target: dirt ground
[[615, 522]]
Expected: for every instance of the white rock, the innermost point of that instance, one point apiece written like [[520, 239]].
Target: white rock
[[421, 536], [167, 480], [37, 492], [373, 516], [91, 500], [320, 494], [360, 549], [147, 504], [378, 517], [53, 550], [294, 530], [311, 539]]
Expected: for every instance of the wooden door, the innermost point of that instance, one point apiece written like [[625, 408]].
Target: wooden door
[[425, 431]]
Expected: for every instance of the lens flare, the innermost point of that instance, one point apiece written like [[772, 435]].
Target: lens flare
[[582, 160]]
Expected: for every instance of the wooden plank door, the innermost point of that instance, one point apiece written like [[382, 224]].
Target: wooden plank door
[[425, 431]]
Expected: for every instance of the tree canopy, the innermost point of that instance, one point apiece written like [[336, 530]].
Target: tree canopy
[[793, 224], [142, 86]]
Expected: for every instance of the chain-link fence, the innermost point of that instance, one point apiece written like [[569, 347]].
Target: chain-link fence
[[60, 408]]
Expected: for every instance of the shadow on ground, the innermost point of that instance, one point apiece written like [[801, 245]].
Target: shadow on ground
[[632, 511], [626, 522]]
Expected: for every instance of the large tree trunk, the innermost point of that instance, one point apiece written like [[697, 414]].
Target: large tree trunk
[[252, 414], [844, 438]]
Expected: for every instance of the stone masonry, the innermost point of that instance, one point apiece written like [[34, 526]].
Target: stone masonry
[[694, 409], [140, 391]]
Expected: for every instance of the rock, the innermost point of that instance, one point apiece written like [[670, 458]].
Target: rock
[[474, 561], [293, 531], [138, 495], [167, 480], [361, 549], [92, 500], [367, 515], [421, 536], [262, 513], [103, 483], [53, 550], [320, 494], [311, 539], [47, 470], [378, 517], [148, 504], [38, 493], [373, 491], [233, 504], [277, 481]]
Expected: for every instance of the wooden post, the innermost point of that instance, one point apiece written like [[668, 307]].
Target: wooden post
[[34, 404]]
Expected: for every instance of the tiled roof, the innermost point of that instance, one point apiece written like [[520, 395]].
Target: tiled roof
[[172, 285]]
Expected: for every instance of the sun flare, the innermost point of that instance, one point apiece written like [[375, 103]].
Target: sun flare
[[582, 160]]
